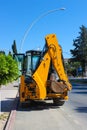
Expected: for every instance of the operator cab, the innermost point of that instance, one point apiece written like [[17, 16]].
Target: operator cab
[[32, 61], [28, 63]]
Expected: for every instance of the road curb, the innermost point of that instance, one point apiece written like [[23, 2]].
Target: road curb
[[10, 122]]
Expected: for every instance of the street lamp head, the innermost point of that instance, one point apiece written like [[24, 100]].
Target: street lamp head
[[62, 8], [36, 20]]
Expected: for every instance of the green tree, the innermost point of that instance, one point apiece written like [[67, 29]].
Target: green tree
[[14, 48], [12, 68], [75, 51], [79, 53], [8, 69], [72, 67], [2, 52], [3, 69]]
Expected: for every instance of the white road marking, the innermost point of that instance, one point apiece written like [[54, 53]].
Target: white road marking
[[76, 122], [62, 109], [69, 115]]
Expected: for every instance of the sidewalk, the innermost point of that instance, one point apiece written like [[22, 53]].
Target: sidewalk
[[7, 96]]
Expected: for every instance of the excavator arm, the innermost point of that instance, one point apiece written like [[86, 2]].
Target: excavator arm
[[54, 54]]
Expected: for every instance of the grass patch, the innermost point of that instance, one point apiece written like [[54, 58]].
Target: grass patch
[[4, 116]]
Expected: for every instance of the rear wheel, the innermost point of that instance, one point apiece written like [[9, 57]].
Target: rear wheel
[[58, 102]]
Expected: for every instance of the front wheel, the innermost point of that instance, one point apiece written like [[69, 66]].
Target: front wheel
[[58, 102]]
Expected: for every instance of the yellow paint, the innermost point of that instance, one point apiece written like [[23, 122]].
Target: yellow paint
[[40, 76], [22, 88], [54, 52]]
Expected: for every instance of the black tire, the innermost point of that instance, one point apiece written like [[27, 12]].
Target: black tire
[[24, 105], [58, 102]]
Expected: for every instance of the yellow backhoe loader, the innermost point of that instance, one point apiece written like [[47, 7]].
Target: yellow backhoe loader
[[43, 74]]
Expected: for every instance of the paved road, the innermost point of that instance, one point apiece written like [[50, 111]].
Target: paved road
[[45, 116]]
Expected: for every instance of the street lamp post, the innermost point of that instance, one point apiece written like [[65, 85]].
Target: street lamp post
[[35, 21]]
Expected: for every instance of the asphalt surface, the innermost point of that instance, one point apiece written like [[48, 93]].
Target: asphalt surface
[[44, 116]]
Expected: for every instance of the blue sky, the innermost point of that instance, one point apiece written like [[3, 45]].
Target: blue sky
[[16, 17]]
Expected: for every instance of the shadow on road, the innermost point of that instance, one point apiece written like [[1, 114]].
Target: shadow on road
[[6, 105], [79, 89], [9, 104], [80, 92], [81, 109], [36, 106]]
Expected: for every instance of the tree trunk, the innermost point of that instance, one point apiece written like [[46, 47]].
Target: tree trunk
[[86, 69]]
